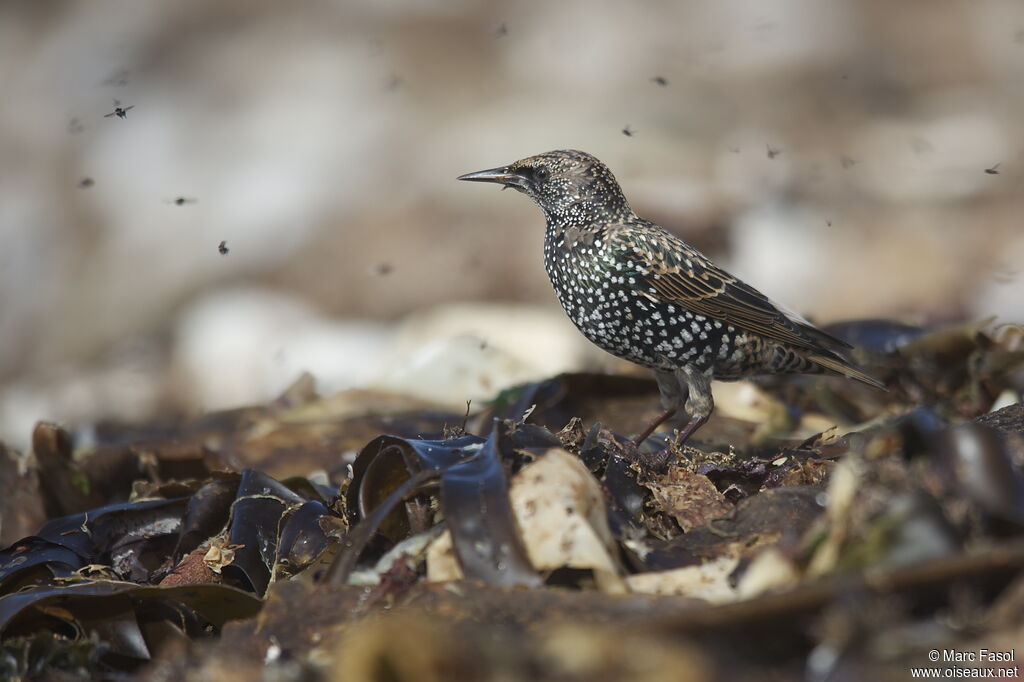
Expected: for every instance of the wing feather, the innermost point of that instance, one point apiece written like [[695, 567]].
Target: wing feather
[[677, 273]]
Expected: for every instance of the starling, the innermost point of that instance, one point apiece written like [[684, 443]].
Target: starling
[[642, 294]]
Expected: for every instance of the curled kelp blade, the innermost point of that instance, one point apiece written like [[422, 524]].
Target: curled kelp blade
[[303, 537], [35, 561], [145, 540], [474, 502], [359, 537], [563, 521], [207, 512], [81, 606], [253, 530], [130, 537], [387, 461]]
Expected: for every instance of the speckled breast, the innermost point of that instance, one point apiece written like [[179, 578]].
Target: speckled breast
[[613, 309]]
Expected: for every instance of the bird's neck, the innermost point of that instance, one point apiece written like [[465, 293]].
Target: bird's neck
[[586, 216]]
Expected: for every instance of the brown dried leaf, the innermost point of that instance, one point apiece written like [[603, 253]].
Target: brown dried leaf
[[221, 553], [690, 498]]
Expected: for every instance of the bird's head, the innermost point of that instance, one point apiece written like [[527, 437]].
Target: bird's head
[[567, 185]]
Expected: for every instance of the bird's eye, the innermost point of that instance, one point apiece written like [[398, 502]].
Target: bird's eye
[[541, 174]]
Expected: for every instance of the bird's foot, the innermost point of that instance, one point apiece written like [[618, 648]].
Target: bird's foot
[[695, 423], [654, 462]]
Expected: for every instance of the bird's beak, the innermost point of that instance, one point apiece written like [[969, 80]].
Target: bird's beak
[[502, 176]]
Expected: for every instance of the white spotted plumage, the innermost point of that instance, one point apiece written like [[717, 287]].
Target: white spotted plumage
[[644, 295]]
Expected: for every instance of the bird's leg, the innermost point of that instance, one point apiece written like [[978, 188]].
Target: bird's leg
[[695, 423], [699, 402], [672, 398], [649, 429]]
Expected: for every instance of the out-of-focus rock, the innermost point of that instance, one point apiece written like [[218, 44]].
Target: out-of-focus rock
[[451, 371], [245, 346], [459, 352]]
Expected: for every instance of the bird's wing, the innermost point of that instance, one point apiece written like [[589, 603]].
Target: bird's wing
[[675, 272]]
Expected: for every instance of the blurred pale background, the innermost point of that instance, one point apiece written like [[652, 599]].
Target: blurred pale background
[[833, 153]]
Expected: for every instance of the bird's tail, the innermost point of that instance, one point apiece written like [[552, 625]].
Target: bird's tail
[[840, 366]]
